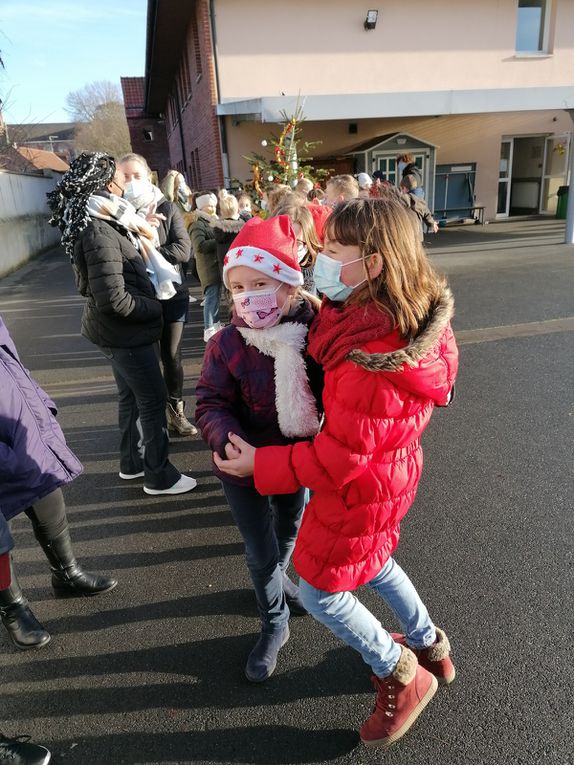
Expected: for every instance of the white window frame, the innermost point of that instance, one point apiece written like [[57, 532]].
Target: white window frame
[[545, 50]]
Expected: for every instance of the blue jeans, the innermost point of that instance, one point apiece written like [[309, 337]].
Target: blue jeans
[[347, 618], [268, 526], [211, 295]]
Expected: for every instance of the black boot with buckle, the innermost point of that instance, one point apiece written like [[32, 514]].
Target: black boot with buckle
[[68, 578], [24, 629]]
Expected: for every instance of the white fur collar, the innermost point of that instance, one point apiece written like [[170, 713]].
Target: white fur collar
[[296, 406]]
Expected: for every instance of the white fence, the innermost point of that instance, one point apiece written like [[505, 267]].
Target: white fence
[[24, 229]]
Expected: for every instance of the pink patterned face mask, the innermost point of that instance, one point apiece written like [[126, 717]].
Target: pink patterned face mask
[[258, 308]]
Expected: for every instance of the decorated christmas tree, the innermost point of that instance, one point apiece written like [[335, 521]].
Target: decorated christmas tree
[[285, 158]]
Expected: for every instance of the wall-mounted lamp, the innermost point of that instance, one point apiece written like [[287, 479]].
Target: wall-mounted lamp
[[371, 20]]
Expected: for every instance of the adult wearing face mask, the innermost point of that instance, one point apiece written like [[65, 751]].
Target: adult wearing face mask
[[205, 252], [175, 246], [110, 244]]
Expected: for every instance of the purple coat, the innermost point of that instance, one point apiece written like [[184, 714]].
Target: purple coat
[[6, 541], [236, 391], [34, 458]]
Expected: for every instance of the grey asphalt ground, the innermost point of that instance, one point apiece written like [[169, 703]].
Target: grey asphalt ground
[[153, 671]]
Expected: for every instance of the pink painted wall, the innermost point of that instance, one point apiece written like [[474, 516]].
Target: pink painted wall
[[265, 49]]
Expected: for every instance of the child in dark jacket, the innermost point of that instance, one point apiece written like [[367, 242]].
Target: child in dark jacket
[[227, 226], [257, 381]]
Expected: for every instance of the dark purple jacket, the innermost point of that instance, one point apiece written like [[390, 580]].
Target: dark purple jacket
[[34, 458], [236, 391]]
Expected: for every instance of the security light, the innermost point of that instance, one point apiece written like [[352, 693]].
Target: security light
[[371, 20]]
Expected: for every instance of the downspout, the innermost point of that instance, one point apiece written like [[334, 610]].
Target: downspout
[[181, 138], [221, 120], [569, 237]]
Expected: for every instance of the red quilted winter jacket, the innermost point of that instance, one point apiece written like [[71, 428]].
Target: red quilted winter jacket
[[364, 466]]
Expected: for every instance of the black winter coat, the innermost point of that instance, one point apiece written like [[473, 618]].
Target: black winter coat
[[122, 310], [225, 231], [204, 248], [174, 245]]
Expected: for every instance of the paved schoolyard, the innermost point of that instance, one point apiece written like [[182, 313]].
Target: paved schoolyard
[[153, 671]]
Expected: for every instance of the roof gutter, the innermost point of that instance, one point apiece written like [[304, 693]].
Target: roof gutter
[[152, 11]]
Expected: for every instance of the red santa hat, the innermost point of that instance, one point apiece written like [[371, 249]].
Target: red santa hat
[[269, 246]]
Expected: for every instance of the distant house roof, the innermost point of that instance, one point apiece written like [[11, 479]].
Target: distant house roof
[[61, 131], [12, 161], [43, 160], [133, 89]]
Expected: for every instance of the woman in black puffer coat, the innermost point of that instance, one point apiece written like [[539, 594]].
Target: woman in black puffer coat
[[175, 246], [108, 242]]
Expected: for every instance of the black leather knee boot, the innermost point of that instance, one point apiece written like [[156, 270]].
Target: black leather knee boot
[[24, 629], [68, 578]]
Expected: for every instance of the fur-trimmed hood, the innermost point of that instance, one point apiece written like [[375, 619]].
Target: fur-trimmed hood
[[228, 225], [195, 215], [425, 366], [418, 348]]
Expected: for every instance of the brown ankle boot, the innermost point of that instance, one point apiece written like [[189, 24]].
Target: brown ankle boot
[[436, 658], [177, 421], [401, 697]]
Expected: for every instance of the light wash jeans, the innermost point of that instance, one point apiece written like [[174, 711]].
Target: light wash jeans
[[349, 620], [211, 296]]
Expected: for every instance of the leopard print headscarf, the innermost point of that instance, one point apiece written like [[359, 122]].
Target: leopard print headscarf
[[68, 202]]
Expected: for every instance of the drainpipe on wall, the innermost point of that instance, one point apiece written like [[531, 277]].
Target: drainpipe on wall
[[181, 138], [569, 238]]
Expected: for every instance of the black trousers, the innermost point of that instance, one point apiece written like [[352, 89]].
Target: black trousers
[[144, 443], [48, 515], [170, 347]]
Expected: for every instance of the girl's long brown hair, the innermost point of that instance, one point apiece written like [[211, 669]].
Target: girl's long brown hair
[[408, 286], [301, 215]]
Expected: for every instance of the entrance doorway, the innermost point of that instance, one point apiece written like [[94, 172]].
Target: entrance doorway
[[531, 170]]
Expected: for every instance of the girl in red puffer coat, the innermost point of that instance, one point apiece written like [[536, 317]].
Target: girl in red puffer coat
[[384, 339]]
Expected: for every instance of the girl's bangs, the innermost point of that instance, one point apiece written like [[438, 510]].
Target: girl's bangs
[[342, 226]]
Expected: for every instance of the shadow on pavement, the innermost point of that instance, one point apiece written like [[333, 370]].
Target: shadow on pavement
[[146, 560], [208, 674], [229, 603], [261, 745]]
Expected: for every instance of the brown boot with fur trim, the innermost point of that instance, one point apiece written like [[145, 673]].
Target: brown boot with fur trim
[[401, 697], [436, 658]]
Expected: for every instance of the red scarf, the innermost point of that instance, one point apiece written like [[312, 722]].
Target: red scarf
[[337, 330]]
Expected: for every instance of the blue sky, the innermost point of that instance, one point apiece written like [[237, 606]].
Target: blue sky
[[51, 47]]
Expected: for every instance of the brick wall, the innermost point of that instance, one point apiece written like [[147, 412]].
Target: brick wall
[[156, 150], [202, 163], [148, 135]]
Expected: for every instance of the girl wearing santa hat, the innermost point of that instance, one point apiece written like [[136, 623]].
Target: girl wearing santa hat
[[258, 382], [384, 339]]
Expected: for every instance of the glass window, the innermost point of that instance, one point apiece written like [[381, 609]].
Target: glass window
[[531, 25]]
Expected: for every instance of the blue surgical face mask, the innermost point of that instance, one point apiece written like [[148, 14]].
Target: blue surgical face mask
[[327, 278]]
